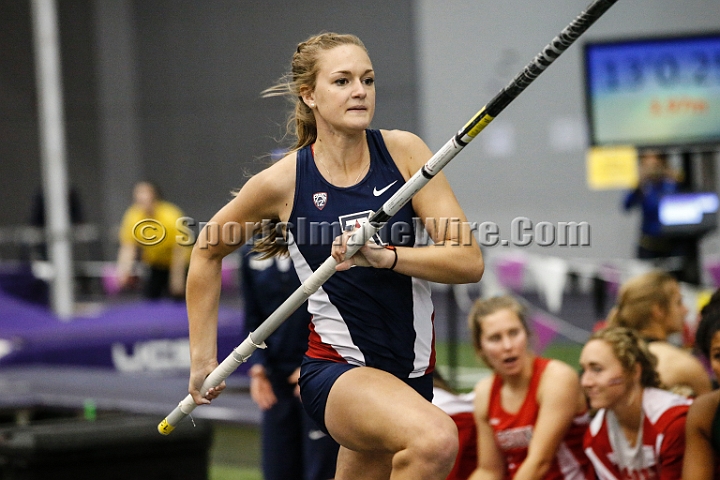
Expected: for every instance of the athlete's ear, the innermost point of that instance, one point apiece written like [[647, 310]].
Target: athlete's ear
[[308, 96]]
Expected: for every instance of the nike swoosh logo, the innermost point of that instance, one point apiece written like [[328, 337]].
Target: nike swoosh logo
[[377, 192]]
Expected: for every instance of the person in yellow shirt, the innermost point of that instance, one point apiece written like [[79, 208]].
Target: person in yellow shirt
[[149, 231]]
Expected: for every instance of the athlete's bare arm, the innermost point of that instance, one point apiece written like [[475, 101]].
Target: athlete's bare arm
[[561, 400], [267, 195], [491, 463], [455, 257], [700, 460]]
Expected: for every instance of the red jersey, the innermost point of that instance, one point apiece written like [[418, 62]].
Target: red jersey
[[661, 453], [513, 432]]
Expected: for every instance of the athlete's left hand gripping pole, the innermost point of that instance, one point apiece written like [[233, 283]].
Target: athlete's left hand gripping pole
[[433, 166]]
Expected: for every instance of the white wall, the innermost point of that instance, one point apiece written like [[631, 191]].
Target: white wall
[[530, 161]]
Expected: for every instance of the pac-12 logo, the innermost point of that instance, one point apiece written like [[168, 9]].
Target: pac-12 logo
[[353, 221], [320, 200]]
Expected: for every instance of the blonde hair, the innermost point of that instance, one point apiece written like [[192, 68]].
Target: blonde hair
[[630, 349], [302, 77], [637, 298], [301, 121], [483, 308]]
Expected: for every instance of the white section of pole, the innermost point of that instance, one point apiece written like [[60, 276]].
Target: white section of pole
[[52, 153]]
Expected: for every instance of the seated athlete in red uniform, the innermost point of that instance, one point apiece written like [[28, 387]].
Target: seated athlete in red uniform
[[531, 414], [639, 430]]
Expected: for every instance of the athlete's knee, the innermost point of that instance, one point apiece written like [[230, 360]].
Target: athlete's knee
[[442, 443], [437, 446]]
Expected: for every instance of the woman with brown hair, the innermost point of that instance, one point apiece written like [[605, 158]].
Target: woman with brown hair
[[531, 414], [366, 378], [652, 305], [639, 429]]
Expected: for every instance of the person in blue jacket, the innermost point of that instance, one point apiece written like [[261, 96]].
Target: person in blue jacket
[[656, 180], [292, 444]]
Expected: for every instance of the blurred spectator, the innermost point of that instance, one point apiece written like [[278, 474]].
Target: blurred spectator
[[639, 429], [652, 305], [656, 179], [149, 230], [531, 414]]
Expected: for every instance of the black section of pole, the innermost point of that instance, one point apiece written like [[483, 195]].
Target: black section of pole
[[379, 217], [548, 55], [541, 61]]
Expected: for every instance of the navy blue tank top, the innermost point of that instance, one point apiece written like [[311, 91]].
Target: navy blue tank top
[[364, 316]]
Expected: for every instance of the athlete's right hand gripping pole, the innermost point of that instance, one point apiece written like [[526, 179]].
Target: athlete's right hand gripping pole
[[433, 166], [257, 338]]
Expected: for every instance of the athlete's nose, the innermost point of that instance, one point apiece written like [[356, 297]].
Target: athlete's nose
[[359, 89]]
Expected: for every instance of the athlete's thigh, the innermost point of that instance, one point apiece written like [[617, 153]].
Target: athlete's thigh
[[371, 410], [363, 465]]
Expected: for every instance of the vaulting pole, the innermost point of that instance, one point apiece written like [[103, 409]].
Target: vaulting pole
[[433, 166]]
